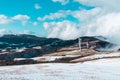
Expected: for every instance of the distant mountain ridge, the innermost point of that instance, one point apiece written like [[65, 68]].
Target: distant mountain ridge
[[15, 47], [29, 41]]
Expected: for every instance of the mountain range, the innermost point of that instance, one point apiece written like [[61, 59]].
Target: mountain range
[[29, 46]]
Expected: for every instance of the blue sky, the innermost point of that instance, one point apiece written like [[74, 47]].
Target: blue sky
[[24, 16], [64, 19]]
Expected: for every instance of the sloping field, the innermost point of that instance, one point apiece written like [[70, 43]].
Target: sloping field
[[104, 69]]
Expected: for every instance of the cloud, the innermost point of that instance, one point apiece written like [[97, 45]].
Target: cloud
[[37, 6], [28, 32], [108, 5], [56, 15], [107, 25], [35, 23], [63, 2], [85, 15], [102, 20], [64, 30], [4, 19], [105, 22], [22, 18], [78, 14], [4, 31]]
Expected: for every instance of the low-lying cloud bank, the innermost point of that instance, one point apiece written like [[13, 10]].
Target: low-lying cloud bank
[[102, 20]]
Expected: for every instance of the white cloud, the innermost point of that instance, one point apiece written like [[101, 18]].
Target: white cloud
[[63, 2], [35, 23], [59, 29], [105, 22], [109, 5], [78, 14], [85, 15], [56, 15], [55, 28], [22, 18], [107, 25], [102, 20], [4, 19], [4, 31], [37, 6], [28, 32], [64, 30]]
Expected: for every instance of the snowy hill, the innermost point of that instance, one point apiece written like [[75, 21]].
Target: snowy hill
[[30, 49], [94, 70], [57, 59]]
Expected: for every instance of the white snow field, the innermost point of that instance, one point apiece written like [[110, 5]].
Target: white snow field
[[104, 69]]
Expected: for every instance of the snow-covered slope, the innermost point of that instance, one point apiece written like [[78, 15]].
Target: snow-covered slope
[[97, 56], [105, 69]]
